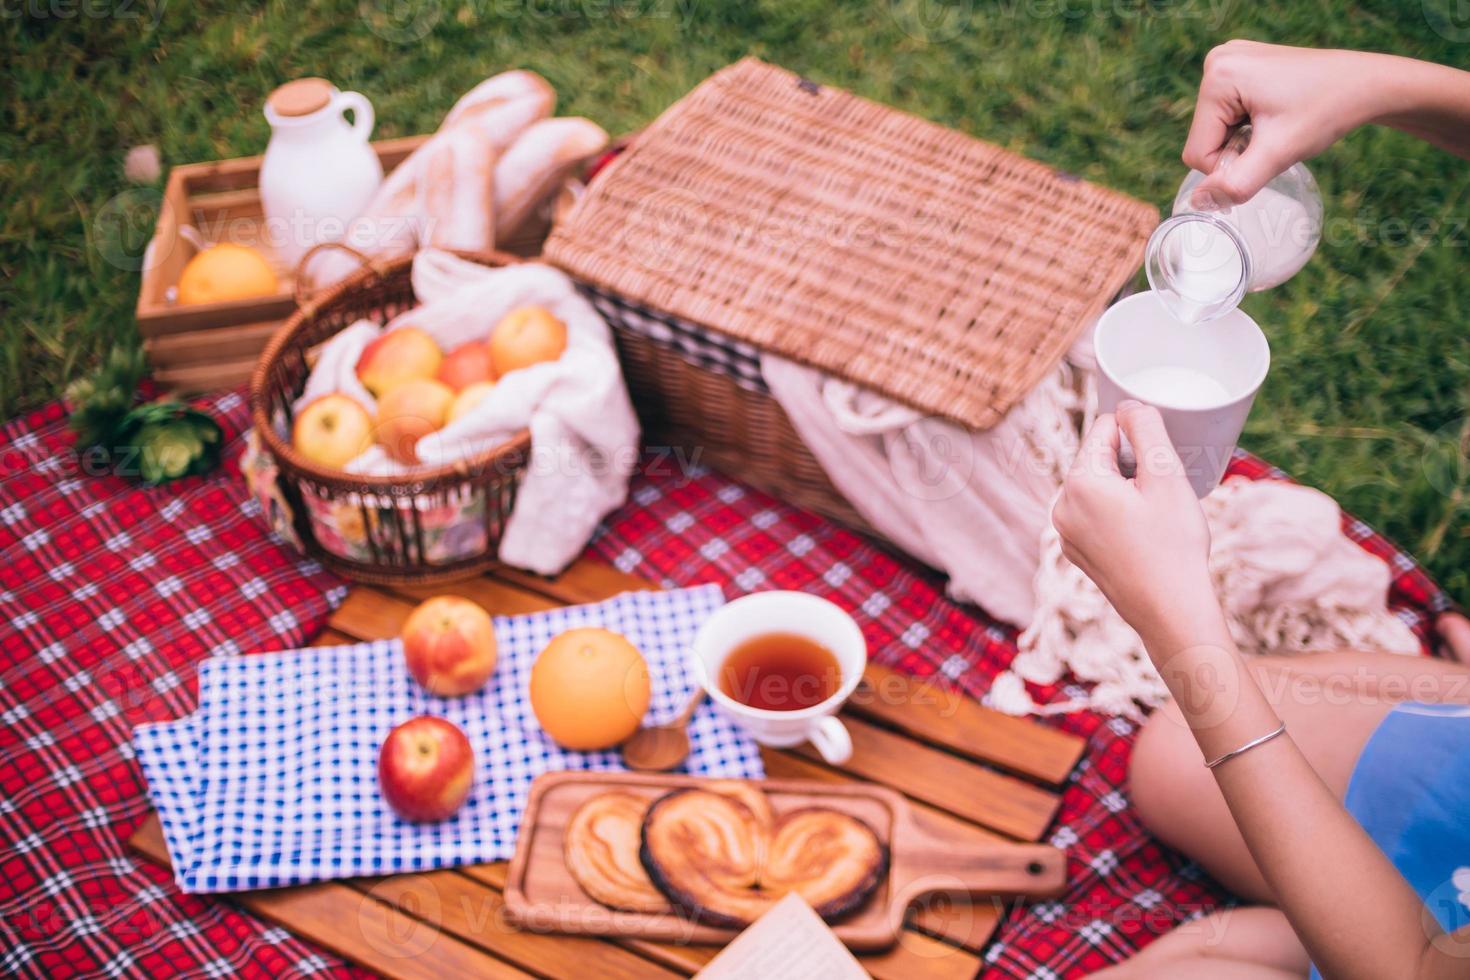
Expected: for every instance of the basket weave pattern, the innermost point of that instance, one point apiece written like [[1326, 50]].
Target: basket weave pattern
[[432, 525], [715, 420], [945, 272]]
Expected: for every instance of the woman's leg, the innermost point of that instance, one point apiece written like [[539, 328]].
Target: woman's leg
[[1252, 943], [1454, 629], [1331, 703]]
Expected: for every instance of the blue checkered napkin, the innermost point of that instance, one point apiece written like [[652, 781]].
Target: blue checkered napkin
[[273, 780]]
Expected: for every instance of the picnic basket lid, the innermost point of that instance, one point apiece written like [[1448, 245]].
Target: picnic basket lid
[[940, 270]]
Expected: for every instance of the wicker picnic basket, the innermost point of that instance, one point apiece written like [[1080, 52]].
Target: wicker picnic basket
[[434, 525], [766, 213]]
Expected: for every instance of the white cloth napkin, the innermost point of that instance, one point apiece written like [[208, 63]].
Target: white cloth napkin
[[584, 434], [273, 779]]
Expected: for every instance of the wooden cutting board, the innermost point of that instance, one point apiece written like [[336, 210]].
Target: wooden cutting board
[[924, 858]]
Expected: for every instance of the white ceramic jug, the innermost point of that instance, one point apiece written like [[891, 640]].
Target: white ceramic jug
[[319, 171]]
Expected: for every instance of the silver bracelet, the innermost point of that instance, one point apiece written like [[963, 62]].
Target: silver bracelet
[[1247, 746]]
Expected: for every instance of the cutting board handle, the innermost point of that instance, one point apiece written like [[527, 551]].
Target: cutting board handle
[[937, 864]]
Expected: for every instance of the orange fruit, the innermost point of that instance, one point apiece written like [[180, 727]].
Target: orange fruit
[[589, 689], [225, 272]]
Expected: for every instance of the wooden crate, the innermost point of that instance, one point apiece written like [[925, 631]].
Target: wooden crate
[[214, 345], [977, 774], [205, 346]]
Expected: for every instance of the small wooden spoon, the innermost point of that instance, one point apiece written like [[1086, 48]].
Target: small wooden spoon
[[662, 747]]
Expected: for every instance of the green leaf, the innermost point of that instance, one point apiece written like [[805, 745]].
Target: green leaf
[[172, 440], [102, 402]]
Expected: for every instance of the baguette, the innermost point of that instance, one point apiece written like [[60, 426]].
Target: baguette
[[449, 193], [456, 191], [504, 106], [537, 164]]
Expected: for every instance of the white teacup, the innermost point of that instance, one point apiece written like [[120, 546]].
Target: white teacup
[[805, 615], [1138, 337]]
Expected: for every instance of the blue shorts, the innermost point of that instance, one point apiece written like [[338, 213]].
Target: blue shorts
[[1411, 792]]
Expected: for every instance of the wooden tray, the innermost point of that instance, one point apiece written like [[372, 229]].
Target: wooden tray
[[979, 775], [541, 894]]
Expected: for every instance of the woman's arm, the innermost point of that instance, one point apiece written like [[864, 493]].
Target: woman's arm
[[1300, 101], [1145, 543]]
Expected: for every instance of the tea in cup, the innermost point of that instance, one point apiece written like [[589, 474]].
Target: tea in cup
[[781, 664]]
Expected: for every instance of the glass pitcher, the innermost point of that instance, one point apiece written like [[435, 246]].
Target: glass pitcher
[[1202, 263]]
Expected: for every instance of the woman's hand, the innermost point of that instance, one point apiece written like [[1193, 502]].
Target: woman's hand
[[1299, 101], [1143, 540]]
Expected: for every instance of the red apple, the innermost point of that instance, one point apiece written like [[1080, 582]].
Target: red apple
[[466, 365], [449, 645], [395, 357], [425, 769]]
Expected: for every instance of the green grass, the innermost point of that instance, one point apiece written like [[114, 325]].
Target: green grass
[[1367, 396]]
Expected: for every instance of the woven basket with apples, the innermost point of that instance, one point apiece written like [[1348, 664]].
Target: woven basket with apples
[[430, 523]]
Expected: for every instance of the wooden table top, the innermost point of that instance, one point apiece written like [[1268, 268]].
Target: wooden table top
[[978, 771]]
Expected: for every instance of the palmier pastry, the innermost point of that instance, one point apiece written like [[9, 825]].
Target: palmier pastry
[[601, 852], [604, 835], [726, 861]]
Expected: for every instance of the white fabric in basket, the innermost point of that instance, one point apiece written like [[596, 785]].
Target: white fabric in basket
[[584, 434]]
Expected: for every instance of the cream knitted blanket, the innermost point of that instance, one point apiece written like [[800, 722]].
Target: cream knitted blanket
[[1288, 580]]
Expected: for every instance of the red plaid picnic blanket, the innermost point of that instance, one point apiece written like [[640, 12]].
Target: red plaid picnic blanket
[[110, 593], [1124, 888]]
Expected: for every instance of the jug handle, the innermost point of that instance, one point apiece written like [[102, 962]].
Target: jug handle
[[362, 112]]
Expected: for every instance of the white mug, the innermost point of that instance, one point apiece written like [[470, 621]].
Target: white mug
[[1139, 333], [805, 615]]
